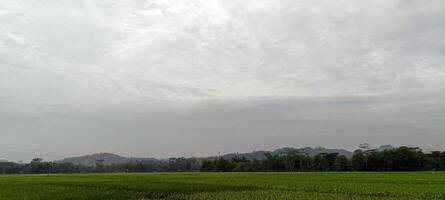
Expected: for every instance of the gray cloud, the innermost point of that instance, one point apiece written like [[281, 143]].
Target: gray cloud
[[161, 129], [172, 77]]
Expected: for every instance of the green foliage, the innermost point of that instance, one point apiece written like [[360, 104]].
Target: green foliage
[[396, 159], [364, 159], [342, 164]]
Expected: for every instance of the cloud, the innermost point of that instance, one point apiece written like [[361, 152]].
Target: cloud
[[204, 128], [59, 55]]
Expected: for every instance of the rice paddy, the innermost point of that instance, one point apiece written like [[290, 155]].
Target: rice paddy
[[354, 185]]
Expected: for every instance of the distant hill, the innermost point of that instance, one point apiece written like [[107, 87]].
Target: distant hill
[[430, 148], [107, 158], [3, 161], [385, 147], [306, 150]]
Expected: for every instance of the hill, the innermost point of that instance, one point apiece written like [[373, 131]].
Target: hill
[[107, 158]]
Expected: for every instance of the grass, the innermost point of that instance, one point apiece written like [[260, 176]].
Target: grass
[[418, 185]]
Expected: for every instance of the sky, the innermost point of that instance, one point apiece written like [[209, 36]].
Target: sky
[[164, 78]]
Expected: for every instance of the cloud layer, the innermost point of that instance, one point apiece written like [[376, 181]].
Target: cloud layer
[[165, 78]]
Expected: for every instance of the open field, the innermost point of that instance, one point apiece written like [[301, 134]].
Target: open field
[[423, 185]]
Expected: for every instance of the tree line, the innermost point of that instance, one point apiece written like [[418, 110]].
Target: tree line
[[364, 159], [38, 166]]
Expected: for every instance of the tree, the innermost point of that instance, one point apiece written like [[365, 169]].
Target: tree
[[207, 166], [342, 163], [292, 159], [223, 165], [320, 162], [358, 160], [365, 146], [36, 160], [273, 163], [100, 167], [407, 159], [38, 166]]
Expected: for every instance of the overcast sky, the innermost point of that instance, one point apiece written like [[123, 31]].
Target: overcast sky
[[163, 78]]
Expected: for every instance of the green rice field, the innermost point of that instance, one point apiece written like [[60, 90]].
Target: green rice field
[[416, 185]]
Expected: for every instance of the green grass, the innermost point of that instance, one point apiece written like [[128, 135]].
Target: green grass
[[422, 185]]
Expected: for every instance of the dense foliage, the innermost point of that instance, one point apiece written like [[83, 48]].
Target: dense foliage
[[364, 159], [394, 159], [37, 166]]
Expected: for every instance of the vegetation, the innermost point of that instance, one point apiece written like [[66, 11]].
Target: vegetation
[[37, 166], [267, 185], [364, 159], [279, 177]]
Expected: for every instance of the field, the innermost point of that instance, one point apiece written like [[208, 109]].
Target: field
[[424, 185]]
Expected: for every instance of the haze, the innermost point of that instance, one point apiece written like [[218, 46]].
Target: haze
[[165, 78]]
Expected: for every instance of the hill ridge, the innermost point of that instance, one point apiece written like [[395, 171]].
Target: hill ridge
[[111, 158]]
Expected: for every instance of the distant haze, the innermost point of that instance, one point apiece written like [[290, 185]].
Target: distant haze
[[161, 78]]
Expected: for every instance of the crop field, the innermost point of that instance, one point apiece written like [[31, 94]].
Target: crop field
[[422, 185]]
